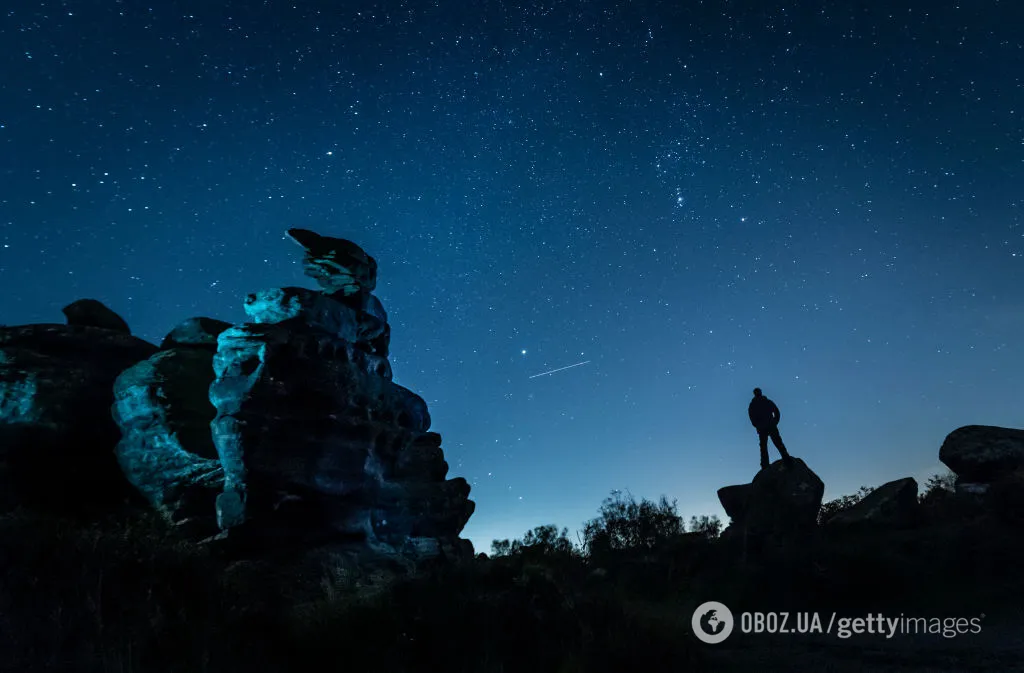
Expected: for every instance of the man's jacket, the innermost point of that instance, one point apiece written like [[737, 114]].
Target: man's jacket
[[764, 415]]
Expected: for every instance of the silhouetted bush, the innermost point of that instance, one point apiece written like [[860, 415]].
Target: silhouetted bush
[[938, 486], [542, 540], [625, 525], [708, 526]]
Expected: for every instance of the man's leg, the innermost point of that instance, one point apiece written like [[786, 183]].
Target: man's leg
[[777, 441], [762, 439]]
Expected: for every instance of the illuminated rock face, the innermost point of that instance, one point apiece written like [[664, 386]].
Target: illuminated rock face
[[166, 451], [287, 429]]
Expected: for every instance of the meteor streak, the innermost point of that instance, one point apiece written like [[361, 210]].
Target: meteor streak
[[560, 369]]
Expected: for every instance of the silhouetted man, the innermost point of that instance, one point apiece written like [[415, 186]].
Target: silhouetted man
[[765, 416]]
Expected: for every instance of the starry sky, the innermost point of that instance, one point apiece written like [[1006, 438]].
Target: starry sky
[[823, 198]]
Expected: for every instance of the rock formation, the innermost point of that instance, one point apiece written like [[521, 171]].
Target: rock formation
[[893, 504], [195, 332], [93, 313], [734, 500], [981, 454], [337, 265], [989, 464], [291, 432], [163, 408], [56, 388], [1006, 498], [779, 507]]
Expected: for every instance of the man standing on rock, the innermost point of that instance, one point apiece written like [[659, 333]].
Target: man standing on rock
[[765, 416]]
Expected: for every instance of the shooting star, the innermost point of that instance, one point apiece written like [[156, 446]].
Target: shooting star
[[560, 369]]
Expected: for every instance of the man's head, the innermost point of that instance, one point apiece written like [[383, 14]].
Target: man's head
[[757, 392]]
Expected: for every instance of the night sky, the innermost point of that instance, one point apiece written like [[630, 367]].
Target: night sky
[[822, 198]]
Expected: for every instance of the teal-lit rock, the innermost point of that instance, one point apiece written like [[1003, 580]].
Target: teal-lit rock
[[318, 444], [304, 307], [332, 405], [166, 450], [358, 319]]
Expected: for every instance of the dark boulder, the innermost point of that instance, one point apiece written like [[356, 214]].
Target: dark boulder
[[57, 436], [983, 453], [783, 502], [734, 500], [893, 504], [93, 313], [775, 515], [337, 264], [1006, 498], [195, 333]]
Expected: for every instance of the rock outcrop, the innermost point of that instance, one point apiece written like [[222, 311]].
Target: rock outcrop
[[988, 462], [981, 454], [195, 333], [1006, 498], [779, 507], [310, 420], [56, 387], [893, 504], [166, 450], [337, 265], [93, 313], [734, 500], [290, 431], [784, 500]]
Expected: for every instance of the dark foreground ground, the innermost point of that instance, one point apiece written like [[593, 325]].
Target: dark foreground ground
[[123, 595]]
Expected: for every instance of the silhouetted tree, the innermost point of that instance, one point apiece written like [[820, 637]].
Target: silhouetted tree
[[708, 526], [938, 486], [938, 499], [546, 540], [623, 523]]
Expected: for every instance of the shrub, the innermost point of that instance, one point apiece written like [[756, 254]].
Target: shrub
[[938, 486], [708, 526], [625, 524], [542, 540]]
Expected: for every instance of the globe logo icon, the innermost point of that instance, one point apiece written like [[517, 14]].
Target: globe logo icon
[[712, 622]]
